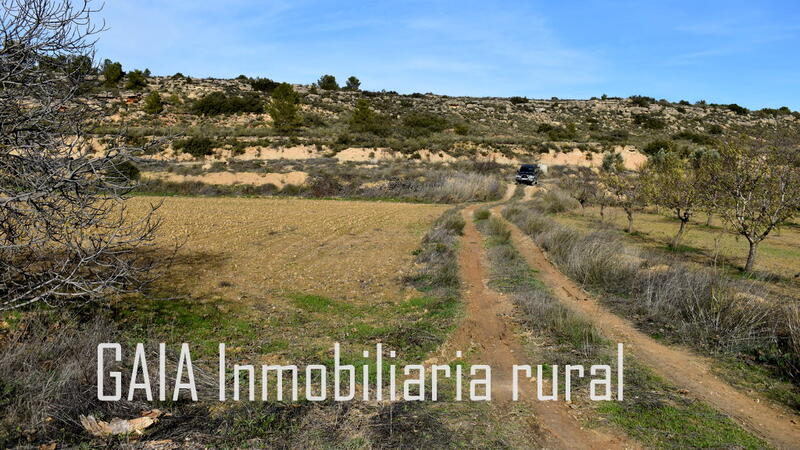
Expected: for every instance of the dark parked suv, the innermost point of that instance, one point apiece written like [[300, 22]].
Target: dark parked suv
[[527, 174]]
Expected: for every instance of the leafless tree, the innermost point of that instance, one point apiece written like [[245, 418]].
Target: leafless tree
[[65, 234], [755, 186], [625, 188]]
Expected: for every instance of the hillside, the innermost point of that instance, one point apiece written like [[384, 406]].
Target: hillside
[[427, 127]]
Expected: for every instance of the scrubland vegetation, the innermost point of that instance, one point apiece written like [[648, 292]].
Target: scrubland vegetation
[[330, 179], [326, 115]]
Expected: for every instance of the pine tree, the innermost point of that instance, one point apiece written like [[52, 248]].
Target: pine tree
[[284, 109], [353, 84]]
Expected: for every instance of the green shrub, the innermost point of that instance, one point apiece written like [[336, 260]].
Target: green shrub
[[364, 120], [343, 140], [649, 122], [195, 146], [328, 83], [123, 172], [613, 162], [658, 145], [423, 124], [613, 137], [136, 80], [697, 138], [738, 110], [773, 112], [518, 100], [642, 101], [263, 84], [112, 73], [153, 103], [557, 133], [217, 103], [715, 129], [544, 128], [311, 120]]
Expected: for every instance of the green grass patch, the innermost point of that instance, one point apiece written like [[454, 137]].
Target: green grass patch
[[750, 376], [655, 414], [274, 346], [203, 324], [362, 332], [690, 425], [310, 302], [434, 307], [509, 270], [682, 248], [481, 214], [321, 304]]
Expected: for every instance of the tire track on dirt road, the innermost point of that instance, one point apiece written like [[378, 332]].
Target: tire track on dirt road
[[528, 193], [487, 329], [683, 368]]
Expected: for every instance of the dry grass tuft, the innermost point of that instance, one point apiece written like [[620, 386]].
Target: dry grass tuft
[[556, 200], [696, 306]]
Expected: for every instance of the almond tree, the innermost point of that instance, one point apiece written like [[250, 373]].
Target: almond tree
[[672, 181], [625, 187], [602, 197], [755, 187], [583, 186], [65, 235]]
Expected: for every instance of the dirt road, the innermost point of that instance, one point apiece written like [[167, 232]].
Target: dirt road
[[779, 427], [528, 193], [487, 329]]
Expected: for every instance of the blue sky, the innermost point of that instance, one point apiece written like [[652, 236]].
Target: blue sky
[[745, 52]]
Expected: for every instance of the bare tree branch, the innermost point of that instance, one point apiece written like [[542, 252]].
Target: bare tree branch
[[65, 234]]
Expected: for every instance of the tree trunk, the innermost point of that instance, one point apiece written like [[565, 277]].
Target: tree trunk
[[629, 213], [676, 241], [751, 256], [708, 219], [602, 212]]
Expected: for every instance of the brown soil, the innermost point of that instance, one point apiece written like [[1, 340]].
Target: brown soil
[[529, 191], [265, 247], [680, 366], [488, 331], [509, 193]]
